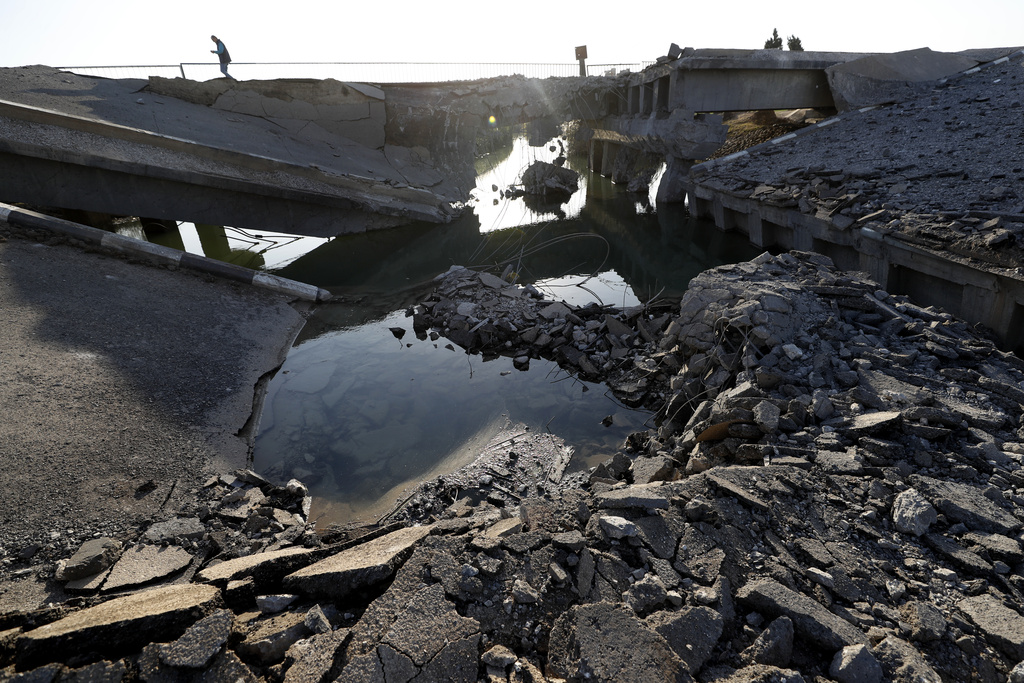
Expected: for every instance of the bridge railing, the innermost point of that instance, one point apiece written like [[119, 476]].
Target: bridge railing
[[365, 72]]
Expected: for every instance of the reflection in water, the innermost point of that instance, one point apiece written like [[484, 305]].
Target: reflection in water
[[359, 414], [256, 250], [356, 413]]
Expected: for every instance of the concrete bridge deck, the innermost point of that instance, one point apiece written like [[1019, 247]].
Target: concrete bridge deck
[[316, 158], [114, 147]]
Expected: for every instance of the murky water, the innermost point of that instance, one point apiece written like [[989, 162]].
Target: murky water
[[360, 415]]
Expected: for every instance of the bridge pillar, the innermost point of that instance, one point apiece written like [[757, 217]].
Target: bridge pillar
[[611, 150], [873, 259], [647, 96], [634, 99], [674, 187], [662, 90], [755, 228], [595, 151]]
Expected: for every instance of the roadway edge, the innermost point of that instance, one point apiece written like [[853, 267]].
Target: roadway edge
[[161, 254]]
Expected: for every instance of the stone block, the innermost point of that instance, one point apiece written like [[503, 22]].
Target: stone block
[[1001, 626], [120, 625], [143, 564], [358, 567], [810, 619]]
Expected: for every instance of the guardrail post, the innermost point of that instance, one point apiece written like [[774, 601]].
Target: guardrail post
[[182, 67]]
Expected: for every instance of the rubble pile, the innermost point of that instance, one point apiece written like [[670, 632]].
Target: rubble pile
[[834, 493], [486, 314], [942, 170], [546, 179]]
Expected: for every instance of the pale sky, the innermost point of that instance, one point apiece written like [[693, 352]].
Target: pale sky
[[127, 32]]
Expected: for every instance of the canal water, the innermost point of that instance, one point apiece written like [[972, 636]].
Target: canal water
[[361, 414]]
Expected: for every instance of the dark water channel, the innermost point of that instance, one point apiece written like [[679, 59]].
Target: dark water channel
[[360, 415]]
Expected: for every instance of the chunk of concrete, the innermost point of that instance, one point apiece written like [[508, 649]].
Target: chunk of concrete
[[958, 555], [97, 671], [646, 497], [272, 604], [458, 662], [269, 639], [226, 666], [1002, 626], [612, 644], [692, 633], [874, 423], [811, 620], [118, 626], [902, 663], [91, 558], [427, 624], [545, 179], [143, 564], [855, 664], [175, 529], [617, 527], [358, 567], [774, 645], [200, 643], [652, 469], [645, 595], [967, 504], [912, 513], [262, 567], [314, 657]]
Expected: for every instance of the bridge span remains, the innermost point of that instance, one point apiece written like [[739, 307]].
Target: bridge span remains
[[322, 157]]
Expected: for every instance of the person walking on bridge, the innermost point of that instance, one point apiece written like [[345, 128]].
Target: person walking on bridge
[[223, 54]]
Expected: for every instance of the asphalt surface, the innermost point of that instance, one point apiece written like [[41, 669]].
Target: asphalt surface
[[122, 125], [952, 148], [123, 386], [126, 103]]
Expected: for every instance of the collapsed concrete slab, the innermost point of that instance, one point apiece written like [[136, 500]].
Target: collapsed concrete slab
[[880, 79], [607, 642], [120, 625], [264, 567], [146, 563], [357, 568]]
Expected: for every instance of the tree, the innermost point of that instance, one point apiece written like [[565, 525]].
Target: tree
[[794, 44], [775, 42]]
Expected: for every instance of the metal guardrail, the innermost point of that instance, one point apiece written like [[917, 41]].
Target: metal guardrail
[[364, 72]]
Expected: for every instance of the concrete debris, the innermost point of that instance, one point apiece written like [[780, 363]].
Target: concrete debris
[[833, 490], [90, 559], [936, 173], [546, 179], [884, 78]]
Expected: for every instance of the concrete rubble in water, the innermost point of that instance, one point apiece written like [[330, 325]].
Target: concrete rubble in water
[[834, 492]]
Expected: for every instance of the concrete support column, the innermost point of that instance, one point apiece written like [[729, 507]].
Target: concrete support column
[[611, 150], [803, 238], [634, 99], [755, 229], [662, 90], [718, 213], [984, 299], [873, 259], [596, 156], [647, 98], [674, 187]]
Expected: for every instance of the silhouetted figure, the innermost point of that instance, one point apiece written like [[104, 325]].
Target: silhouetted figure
[[223, 54]]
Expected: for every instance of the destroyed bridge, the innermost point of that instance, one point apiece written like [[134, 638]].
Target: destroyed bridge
[[322, 157]]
